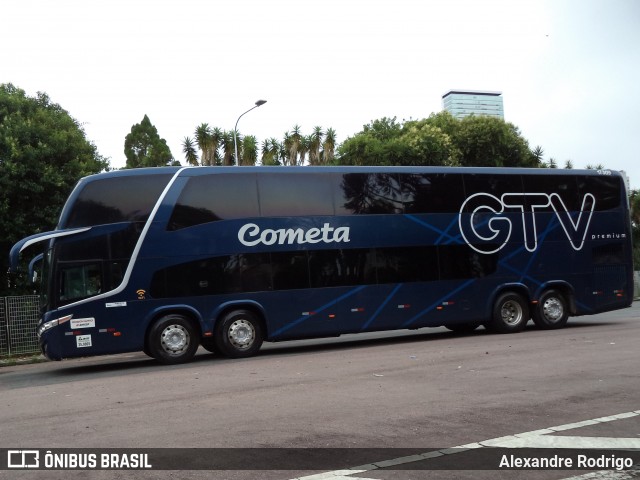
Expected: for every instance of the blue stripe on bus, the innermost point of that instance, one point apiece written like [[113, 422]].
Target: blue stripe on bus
[[318, 310], [382, 305], [437, 302]]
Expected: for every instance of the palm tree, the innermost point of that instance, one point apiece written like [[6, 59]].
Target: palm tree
[[203, 138], [216, 140], [270, 152], [282, 151], [228, 148], [190, 152], [568, 165], [538, 153], [329, 146], [315, 141], [292, 143], [303, 149], [249, 154]]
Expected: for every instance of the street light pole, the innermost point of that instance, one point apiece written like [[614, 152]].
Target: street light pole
[[235, 129]]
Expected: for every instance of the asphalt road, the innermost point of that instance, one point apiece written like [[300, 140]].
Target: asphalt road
[[419, 390]]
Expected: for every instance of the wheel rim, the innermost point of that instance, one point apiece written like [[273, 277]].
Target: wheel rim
[[511, 313], [241, 334], [552, 309], [175, 340]]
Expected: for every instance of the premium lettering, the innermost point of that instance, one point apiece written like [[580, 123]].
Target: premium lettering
[[251, 235]]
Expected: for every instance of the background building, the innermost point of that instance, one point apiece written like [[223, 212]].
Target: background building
[[462, 103]]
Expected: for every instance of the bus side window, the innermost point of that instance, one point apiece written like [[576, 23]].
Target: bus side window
[[300, 194], [80, 281], [432, 193]]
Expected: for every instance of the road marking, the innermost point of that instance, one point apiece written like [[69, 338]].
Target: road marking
[[532, 439], [601, 475]]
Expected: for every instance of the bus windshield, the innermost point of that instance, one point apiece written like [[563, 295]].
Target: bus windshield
[[82, 266]]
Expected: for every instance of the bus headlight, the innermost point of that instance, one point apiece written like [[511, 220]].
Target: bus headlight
[[46, 326], [52, 323]]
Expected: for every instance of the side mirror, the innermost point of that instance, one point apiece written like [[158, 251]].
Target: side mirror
[[33, 264]]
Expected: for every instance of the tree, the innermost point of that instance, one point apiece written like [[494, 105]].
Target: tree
[[328, 147], [428, 145], [315, 142], [598, 166], [377, 144], [538, 153], [190, 151], [439, 139], [43, 153], [143, 147], [204, 141], [271, 152], [249, 154], [387, 142], [228, 147], [486, 141], [292, 143]]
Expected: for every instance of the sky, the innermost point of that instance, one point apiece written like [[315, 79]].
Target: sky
[[568, 70]]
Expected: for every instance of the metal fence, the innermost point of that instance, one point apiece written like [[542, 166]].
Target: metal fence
[[18, 320]]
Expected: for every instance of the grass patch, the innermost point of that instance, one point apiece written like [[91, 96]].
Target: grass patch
[[23, 359]]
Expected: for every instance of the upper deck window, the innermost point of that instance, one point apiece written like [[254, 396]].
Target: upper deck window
[[208, 198], [115, 199]]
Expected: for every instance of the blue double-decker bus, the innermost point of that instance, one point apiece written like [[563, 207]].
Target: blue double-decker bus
[[164, 260]]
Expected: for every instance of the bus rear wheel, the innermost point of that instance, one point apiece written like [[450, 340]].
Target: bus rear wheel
[[172, 339], [239, 334], [552, 311], [510, 314]]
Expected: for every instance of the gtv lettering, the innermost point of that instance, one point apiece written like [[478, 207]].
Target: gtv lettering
[[251, 235], [485, 227]]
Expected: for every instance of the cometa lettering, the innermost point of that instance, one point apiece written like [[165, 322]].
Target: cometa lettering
[[252, 235]]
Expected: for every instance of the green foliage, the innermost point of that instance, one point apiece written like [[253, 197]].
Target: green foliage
[[143, 147], [491, 142], [249, 154], [378, 144], [440, 140], [190, 152], [43, 153]]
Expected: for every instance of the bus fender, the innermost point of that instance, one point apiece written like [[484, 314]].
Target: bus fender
[[176, 308], [506, 287], [239, 304], [561, 285]]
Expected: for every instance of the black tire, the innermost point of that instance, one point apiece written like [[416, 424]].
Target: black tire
[[209, 344], [463, 327], [552, 311], [173, 339], [239, 334], [510, 314]]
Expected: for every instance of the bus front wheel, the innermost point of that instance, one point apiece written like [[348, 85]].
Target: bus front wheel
[[510, 314], [239, 334], [551, 311], [172, 339]]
